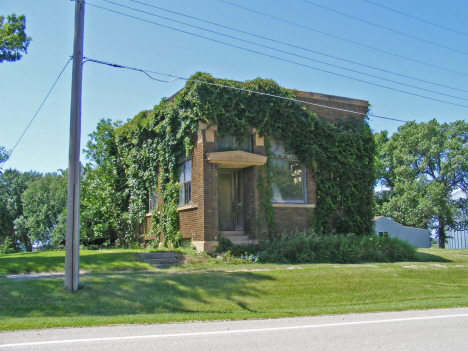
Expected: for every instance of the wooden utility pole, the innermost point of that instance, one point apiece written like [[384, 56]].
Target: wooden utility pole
[[72, 240]]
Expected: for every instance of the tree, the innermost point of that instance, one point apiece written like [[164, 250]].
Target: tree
[[104, 199], [12, 185], [4, 155], [13, 39], [421, 165], [43, 203]]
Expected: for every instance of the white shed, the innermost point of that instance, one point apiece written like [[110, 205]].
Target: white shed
[[457, 239], [415, 236]]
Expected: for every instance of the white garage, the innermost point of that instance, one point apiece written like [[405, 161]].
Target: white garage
[[415, 236]]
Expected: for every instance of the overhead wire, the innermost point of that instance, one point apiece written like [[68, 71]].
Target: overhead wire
[[240, 89], [40, 107], [130, 68], [298, 47], [386, 28], [279, 58], [417, 18], [344, 39], [287, 52]]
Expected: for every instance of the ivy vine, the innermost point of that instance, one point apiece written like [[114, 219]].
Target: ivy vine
[[340, 155]]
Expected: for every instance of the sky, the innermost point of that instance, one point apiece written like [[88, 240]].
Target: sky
[[435, 52]]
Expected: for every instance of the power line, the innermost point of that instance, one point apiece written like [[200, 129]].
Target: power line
[[130, 68], [297, 47], [386, 28], [38, 110], [417, 18], [278, 58], [287, 52], [343, 39], [236, 88]]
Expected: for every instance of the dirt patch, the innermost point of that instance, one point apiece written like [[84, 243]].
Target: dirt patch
[[439, 265], [415, 267], [357, 266]]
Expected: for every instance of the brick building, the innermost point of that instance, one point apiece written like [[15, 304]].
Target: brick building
[[219, 180]]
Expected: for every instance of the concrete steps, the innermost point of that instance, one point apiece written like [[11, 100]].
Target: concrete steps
[[159, 260], [237, 237]]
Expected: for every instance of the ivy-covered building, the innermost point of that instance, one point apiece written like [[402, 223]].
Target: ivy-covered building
[[219, 159]]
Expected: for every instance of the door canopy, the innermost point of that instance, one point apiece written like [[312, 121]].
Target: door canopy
[[235, 159]]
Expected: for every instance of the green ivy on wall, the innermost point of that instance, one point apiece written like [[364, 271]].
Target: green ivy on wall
[[340, 155]]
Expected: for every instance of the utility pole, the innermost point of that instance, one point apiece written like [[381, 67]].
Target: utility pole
[[72, 240]]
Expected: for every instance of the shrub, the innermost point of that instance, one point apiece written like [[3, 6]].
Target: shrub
[[224, 244], [6, 247], [229, 258], [308, 247]]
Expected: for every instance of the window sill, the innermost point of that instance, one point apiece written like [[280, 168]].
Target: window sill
[[294, 205], [187, 207]]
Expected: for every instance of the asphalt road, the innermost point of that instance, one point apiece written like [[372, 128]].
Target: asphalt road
[[442, 329]]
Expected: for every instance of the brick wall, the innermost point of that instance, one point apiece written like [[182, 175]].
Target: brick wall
[[290, 219], [191, 221], [251, 199], [311, 187], [210, 182], [332, 115]]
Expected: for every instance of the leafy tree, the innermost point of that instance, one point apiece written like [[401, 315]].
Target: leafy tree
[[12, 185], [13, 39], [104, 199], [4, 155], [421, 165], [43, 202]]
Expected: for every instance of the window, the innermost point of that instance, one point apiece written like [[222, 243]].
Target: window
[[153, 201], [287, 175], [185, 183], [231, 143], [287, 183], [280, 150]]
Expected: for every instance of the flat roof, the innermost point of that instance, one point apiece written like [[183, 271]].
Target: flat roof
[[310, 95]]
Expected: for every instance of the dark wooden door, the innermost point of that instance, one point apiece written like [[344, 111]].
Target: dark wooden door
[[230, 199]]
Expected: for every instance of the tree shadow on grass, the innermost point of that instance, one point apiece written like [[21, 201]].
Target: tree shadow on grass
[[426, 257], [92, 260], [132, 294], [32, 262]]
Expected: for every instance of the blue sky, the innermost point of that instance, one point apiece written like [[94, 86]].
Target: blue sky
[[120, 94]]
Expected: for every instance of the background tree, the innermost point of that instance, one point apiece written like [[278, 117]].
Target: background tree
[[43, 201], [13, 39], [421, 165], [104, 198], [4, 155], [12, 185]]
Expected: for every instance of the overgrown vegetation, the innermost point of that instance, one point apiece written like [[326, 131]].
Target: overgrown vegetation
[[311, 248], [146, 151], [308, 247]]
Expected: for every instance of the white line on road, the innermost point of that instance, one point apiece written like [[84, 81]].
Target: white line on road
[[230, 331]]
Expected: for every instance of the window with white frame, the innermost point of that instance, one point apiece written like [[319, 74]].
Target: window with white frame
[[185, 183], [287, 175]]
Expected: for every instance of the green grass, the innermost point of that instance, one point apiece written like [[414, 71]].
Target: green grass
[[54, 261], [208, 291]]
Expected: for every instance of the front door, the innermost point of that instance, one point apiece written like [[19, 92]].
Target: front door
[[230, 199]]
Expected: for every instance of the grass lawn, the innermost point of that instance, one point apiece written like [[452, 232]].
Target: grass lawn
[[54, 261], [208, 291]]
